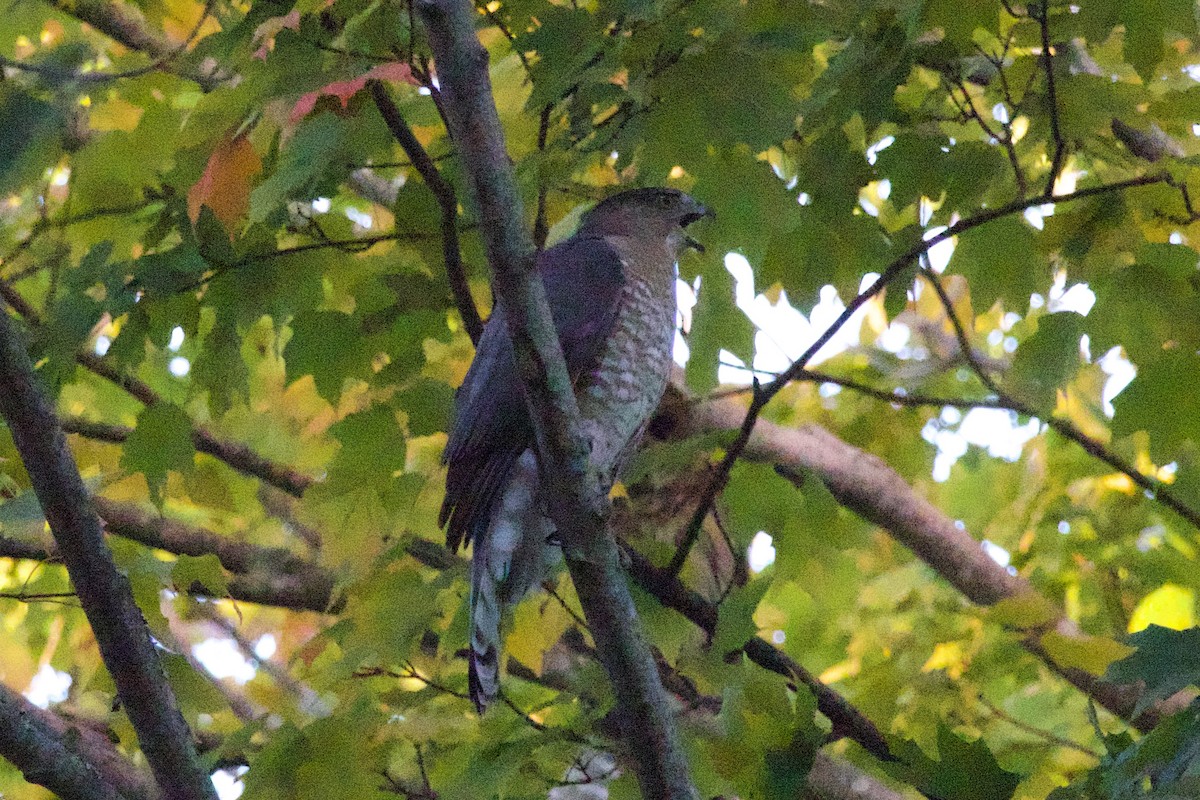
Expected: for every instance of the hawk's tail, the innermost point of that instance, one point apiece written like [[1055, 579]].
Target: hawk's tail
[[484, 659]]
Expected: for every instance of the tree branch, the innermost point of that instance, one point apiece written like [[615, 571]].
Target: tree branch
[[73, 761], [447, 201], [577, 498], [866, 485], [1063, 427], [835, 779], [235, 454], [765, 393], [1040, 11], [847, 720], [125, 24], [104, 593]]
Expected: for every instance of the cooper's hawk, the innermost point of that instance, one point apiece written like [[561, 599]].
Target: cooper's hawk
[[611, 290]]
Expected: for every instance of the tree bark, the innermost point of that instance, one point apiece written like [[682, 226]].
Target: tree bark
[[104, 593]]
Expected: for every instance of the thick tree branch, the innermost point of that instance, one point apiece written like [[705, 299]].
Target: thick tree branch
[[870, 488], [447, 201], [73, 761], [765, 393], [104, 593], [577, 499], [834, 779]]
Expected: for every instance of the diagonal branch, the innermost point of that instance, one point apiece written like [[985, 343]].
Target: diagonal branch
[[866, 485], [848, 721], [235, 454], [763, 394], [577, 498], [104, 592], [125, 24], [71, 760], [447, 201], [1063, 427]]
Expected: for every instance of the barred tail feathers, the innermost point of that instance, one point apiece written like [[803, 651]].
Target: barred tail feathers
[[511, 557], [484, 659]]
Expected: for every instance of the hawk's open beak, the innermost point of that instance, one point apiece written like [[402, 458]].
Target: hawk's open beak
[[700, 213]]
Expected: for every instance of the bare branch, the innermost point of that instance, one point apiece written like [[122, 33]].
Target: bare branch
[[578, 500], [447, 201], [125, 24], [104, 592], [834, 779], [1040, 11], [236, 455], [764, 393]]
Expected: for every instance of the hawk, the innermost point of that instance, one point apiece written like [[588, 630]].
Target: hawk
[[611, 291]]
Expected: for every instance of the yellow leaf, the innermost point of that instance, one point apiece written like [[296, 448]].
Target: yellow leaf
[[1169, 605], [1027, 610], [115, 115], [947, 656], [537, 624]]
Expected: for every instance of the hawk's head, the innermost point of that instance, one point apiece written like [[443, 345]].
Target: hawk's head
[[658, 213]]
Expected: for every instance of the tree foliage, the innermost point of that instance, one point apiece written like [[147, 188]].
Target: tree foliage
[[242, 254]]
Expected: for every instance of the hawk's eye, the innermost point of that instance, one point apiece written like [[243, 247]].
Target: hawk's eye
[[664, 200]]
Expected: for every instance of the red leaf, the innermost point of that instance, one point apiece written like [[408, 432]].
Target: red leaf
[[226, 183], [344, 90]]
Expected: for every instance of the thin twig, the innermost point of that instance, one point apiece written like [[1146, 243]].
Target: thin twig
[[447, 202], [1033, 730], [763, 393], [1065, 428], [1042, 15]]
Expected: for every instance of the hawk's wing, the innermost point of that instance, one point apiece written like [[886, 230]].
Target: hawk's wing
[[583, 280]]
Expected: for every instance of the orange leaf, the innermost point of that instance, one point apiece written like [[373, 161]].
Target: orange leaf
[[344, 90], [225, 185]]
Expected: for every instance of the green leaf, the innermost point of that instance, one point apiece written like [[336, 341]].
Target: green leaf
[[1089, 653], [1048, 359], [220, 367], [204, 571], [965, 770], [311, 151], [735, 622], [1166, 660], [1164, 401], [372, 448], [329, 346], [717, 324], [161, 442], [1145, 25], [1000, 260], [30, 137], [427, 404], [960, 18], [374, 608]]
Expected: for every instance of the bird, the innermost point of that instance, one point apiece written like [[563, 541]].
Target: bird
[[611, 292]]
